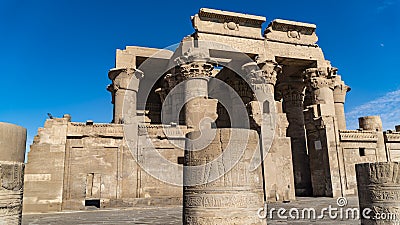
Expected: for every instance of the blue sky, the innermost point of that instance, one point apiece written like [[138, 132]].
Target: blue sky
[[55, 55]]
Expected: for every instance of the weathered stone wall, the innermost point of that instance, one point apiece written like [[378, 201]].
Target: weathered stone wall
[[360, 146], [12, 156], [44, 173], [92, 162]]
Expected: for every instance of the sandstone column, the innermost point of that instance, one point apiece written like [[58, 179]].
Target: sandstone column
[[219, 186], [378, 187], [124, 88], [293, 96], [12, 157], [339, 95], [194, 70]]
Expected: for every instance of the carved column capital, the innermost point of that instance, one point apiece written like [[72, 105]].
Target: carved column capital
[[266, 75], [317, 78], [122, 79], [340, 90], [292, 93], [196, 69]]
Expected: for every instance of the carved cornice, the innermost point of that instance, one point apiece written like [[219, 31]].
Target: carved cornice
[[358, 136], [291, 32], [393, 137]]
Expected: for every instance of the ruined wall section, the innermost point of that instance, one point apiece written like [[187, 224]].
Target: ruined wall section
[[44, 172]]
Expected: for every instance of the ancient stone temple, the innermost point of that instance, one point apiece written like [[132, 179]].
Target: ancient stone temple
[[273, 85]]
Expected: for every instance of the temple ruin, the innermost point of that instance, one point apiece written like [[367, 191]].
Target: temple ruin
[[292, 98]]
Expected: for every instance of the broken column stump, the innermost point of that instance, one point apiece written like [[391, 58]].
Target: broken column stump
[[379, 192], [12, 156], [219, 187]]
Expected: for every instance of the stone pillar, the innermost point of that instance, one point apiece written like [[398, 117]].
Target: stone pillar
[[339, 95], [124, 88], [322, 133], [197, 105], [12, 157], [221, 189], [378, 187], [293, 96], [195, 71]]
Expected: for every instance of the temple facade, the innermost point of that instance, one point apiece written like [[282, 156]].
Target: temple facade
[[228, 74]]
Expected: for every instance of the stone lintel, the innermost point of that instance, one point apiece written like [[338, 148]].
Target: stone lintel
[[130, 56], [291, 32], [228, 23]]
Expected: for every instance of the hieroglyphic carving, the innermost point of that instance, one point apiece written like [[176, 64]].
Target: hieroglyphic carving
[[378, 189], [11, 189], [235, 200], [235, 190]]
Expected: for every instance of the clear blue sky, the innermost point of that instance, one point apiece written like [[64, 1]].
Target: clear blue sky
[[55, 54]]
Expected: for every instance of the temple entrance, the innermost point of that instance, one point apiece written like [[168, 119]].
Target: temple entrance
[[290, 89]]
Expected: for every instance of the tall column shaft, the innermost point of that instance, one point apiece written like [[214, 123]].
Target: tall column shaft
[[322, 133], [339, 95], [293, 97]]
